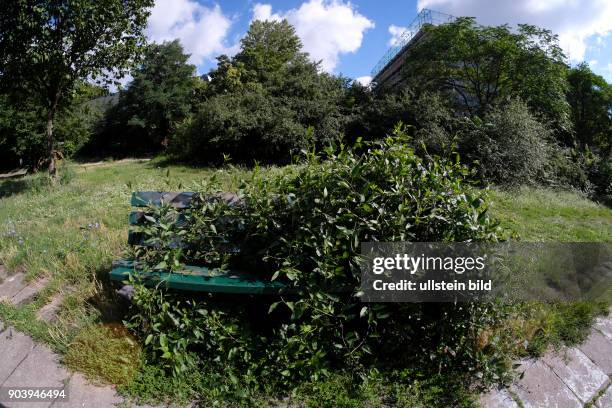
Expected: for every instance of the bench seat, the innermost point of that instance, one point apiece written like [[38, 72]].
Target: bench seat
[[189, 278]]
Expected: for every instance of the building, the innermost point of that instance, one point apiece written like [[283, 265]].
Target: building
[[387, 72]]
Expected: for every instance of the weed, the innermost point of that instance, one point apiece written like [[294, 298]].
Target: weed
[[104, 353]]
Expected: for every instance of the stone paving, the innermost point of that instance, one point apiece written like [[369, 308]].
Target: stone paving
[[27, 364], [571, 377], [24, 363]]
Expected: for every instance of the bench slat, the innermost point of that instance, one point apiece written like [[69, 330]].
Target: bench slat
[[201, 279], [176, 200]]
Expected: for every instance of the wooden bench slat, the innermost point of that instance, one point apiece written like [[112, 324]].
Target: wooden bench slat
[[204, 280], [191, 278], [176, 200], [138, 218]]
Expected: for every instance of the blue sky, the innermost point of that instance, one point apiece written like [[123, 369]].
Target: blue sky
[[350, 37]]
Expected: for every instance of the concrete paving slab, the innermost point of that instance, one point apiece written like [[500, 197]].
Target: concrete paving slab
[[48, 312], [598, 348], [540, 387], [605, 401], [578, 372], [14, 348], [604, 325], [26, 294], [39, 369], [83, 394], [497, 398], [10, 286]]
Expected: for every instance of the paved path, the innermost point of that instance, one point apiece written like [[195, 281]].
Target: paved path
[[27, 364], [573, 377], [24, 363]]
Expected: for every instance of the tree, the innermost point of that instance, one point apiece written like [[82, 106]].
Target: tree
[[159, 97], [480, 66], [590, 98], [265, 103], [48, 46], [267, 47]]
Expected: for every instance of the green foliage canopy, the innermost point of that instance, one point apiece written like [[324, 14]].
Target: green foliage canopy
[[590, 98], [264, 104], [159, 97], [47, 46], [480, 66]]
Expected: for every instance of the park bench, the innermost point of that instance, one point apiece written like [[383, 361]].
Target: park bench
[[189, 278]]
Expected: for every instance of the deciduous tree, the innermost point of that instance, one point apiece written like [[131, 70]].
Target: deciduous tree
[[48, 46]]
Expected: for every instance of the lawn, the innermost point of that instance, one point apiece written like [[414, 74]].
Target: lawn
[[71, 233]]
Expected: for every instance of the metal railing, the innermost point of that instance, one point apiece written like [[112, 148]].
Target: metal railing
[[424, 17]]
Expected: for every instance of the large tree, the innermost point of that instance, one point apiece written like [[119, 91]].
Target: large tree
[[480, 66], [265, 103], [590, 97], [48, 46], [158, 98]]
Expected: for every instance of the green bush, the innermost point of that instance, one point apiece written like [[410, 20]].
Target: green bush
[[264, 104], [510, 145], [305, 228]]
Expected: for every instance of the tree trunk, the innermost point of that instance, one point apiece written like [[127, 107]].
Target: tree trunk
[[50, 144]]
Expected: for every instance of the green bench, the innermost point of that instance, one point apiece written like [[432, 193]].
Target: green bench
[[190, 278]]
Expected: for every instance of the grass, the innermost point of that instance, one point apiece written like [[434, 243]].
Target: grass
[[105, 352], [71, 233], [549, 215]]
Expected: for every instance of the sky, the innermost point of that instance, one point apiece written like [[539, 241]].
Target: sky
[[349, 37]]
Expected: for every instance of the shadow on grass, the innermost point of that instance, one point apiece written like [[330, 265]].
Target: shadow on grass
[[9, 187], [112, 307]]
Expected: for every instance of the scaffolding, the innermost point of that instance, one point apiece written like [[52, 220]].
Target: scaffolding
[[424, 17]]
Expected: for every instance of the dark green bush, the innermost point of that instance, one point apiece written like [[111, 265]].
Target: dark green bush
[[511, 146], [305, 228], [264, 104]]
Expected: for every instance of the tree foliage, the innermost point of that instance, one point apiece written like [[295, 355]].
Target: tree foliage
[[48, 46], [155, 101], [264, 104], [22, 126], [590, 98], [480, 66]]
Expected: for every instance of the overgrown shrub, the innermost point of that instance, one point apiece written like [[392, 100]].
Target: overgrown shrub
[[601, 176], [254, 126], [305, 227], [510, 145]]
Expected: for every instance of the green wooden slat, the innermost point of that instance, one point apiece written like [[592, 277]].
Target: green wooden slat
[[232, 283], [136, 238], [145, 198], [137, 218]]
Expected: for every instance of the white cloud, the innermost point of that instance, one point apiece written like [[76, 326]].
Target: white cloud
[[327, 28], [202, 30], [593, 62], [575, 21], [396, 34], [364, 80], [264, 12]]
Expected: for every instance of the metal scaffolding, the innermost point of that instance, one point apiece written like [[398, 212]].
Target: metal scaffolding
[[424, 17]]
